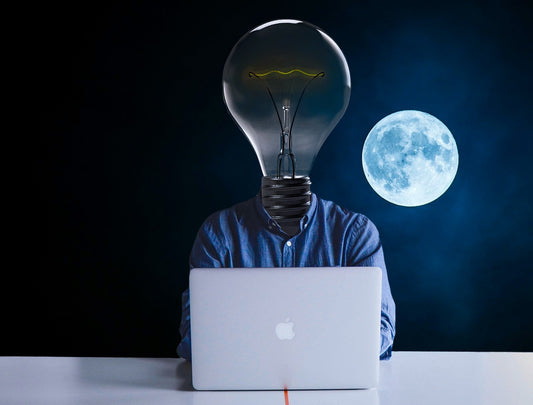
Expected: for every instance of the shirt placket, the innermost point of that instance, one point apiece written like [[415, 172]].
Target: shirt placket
[[288, 254]]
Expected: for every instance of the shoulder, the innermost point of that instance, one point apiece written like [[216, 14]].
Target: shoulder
[[336, 213], [229, 217]]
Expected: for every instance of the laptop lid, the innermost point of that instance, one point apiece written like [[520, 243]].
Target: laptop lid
[[276, 328]]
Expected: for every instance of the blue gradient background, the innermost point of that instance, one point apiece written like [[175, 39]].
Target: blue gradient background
[[135, 149]]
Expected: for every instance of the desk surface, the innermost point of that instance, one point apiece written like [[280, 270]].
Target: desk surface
[[409, 378]]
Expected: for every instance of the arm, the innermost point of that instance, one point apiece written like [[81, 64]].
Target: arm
[[184, 347], [366, 250], [206, 252]]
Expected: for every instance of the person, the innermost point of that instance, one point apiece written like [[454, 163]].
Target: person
[[246, 236]]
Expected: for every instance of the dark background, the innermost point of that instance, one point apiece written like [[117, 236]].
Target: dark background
[[135, 148]]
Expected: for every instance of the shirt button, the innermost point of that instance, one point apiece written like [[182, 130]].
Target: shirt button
[[289, 243]]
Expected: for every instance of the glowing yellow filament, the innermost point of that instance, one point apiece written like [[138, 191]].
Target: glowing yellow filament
[[287, 73]]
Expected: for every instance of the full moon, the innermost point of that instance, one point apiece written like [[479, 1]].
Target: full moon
[[410, 158]]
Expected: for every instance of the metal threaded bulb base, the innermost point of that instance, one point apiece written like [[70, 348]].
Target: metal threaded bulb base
[[286, 200]]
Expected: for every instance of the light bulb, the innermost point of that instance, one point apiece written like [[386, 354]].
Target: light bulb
[[287, 84]]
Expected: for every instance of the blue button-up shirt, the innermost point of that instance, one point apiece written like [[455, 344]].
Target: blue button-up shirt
[[246, 236]]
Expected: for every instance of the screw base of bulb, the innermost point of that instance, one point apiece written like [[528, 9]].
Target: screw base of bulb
[[286, 200]]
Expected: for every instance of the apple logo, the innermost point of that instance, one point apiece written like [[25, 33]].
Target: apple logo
[[284, 330]]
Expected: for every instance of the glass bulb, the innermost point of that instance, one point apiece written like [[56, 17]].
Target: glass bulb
[[287, 84]]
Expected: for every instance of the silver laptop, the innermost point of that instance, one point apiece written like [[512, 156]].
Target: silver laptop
[[285, 328]]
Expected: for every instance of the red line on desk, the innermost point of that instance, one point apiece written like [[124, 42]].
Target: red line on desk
[[286, 396]]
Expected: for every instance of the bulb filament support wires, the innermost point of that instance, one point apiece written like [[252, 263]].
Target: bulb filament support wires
[[286, 123]]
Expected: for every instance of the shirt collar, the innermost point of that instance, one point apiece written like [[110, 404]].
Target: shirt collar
[[267, 219]]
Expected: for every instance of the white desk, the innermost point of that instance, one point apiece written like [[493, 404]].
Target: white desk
[[410, 378]]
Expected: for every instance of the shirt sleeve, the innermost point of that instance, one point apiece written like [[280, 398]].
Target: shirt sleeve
[[207, 252], [366, 250]]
